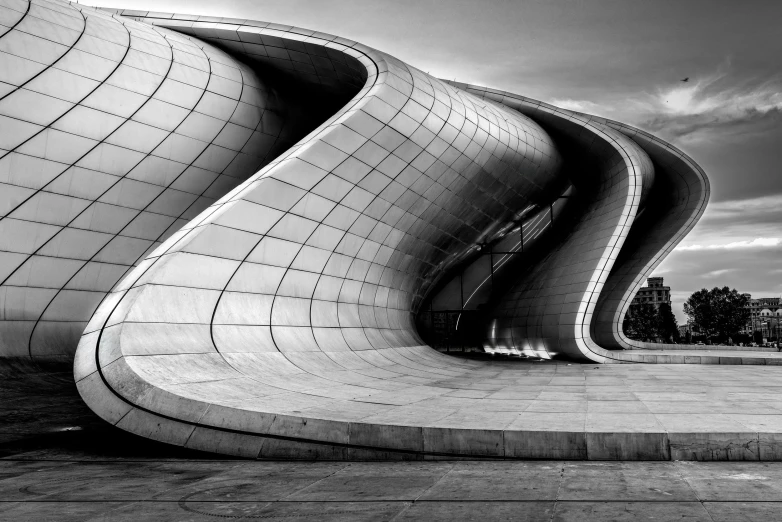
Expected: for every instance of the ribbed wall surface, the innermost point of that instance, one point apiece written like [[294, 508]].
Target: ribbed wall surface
[[298, 288], [114, 135], [619, 250], [551, 307], [255, 296]]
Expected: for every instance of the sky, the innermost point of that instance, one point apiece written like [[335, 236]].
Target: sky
[[622, 59]]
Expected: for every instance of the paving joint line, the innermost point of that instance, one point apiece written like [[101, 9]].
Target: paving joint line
[[401, 501]]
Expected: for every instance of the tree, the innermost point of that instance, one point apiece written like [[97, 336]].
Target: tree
[[668, 327], [720, 312], [642, 322]]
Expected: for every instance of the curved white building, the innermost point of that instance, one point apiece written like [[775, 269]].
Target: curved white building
[[240, 221]]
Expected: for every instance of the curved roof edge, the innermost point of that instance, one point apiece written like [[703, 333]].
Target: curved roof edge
[[656, 241]]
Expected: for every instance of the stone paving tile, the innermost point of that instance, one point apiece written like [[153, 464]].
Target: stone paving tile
[[617, 395], [636, 481], [59, 511], [770, 395], [201, 511], [574, 406], [622, 422], [469, 394], [498, 481], [507, 393], [368, 481], [630, 511], [701, 423], [479, 511], [16, 476], [666, 396], [743, 511], [254, 481], [488, 420], [617, 407], [733, 481], [12, 469], [546, 421], [759, 423], [505, 405], [716, 407], [105, 481], [315, 511], [404, 416], [562, 395]]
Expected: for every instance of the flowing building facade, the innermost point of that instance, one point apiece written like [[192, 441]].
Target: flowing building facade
[[238, 223]]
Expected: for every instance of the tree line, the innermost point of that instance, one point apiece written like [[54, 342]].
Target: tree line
[[719, 314], [645, 322]]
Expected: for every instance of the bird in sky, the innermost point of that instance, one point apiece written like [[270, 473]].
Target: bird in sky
[[685, 80]]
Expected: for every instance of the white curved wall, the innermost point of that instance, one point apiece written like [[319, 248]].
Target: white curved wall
[[113, 135], [278, 305]]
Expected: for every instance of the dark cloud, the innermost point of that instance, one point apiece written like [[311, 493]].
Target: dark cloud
[[747, 122], [731, 126], [764, 213]]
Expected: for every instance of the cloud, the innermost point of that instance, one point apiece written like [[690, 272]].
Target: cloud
[[732, 209], [704, 107], [578, 105], [758, 242], [715, 101], [751, 224], [695, 114], [771, 202], [717, 273]]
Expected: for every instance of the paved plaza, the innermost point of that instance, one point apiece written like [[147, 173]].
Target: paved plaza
[[487, 406], [220, 244], [188, 489], [58, 461]]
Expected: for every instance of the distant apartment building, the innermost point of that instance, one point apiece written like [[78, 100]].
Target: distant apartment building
[[765, 315], [654, 293]]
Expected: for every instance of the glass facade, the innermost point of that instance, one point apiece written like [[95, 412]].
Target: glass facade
[[457, 317]]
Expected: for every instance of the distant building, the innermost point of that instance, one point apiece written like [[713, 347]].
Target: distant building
[[693, 329], [765, 315], [654, 293]]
